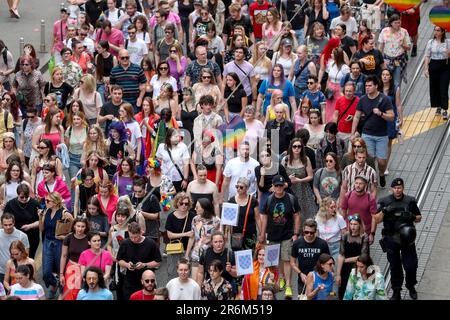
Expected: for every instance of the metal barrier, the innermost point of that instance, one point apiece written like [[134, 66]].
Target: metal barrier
[[43, 46]]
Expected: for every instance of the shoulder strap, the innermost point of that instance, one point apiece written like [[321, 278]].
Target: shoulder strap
[[185, 222], [343, 114], [24, 125], [292, 201], [139, 206], [299, 72], [5, 56], [126, 44], [176, 166], [5, 119], [246, 215]]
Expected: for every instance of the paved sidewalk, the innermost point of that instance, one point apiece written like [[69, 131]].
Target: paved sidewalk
[[28, 26]]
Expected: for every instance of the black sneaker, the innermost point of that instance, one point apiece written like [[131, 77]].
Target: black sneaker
[[413, 293], [445, 115], [438, 111], [414, 51], [396, 295], [382, 181]]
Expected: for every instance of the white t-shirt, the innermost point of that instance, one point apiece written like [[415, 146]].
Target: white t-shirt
[[156, 84], [88, 42], [180, 156], [351, 25], [235, 169], [35, 292], [334, 74], [183, 291], [113, 16], [330, 231], [138, 50], [134, 133], [144, 36], [5, 242]]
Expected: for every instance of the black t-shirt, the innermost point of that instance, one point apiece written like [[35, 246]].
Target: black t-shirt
[[268, 177], [376, 60], [75, 246], [144, 252], [374, 125], [346, 43], [21, 215], [291, 8], [307, 254], [251, 221], [94, 9], [62, 92], [235, 101], [110, 108], [209, 256], [280, 222], [151, 205], [175, 225], [230, 23]]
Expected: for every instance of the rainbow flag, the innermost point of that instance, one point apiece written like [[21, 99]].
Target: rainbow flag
[[402, 5], [233, 133], [440, 16]]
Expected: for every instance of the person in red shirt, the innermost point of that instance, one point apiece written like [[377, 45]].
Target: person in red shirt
[[258, 11], [148, 281], [344, 111]]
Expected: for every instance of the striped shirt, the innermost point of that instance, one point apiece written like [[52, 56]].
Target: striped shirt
[[34, 292], [352, 171], [129, 79]]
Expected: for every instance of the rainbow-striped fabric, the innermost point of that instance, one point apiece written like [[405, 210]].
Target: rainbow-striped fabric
[[440, 16], [402, 5]]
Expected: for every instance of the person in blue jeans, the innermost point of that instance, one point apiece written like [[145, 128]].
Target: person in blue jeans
[[52, 243], [374, 110]]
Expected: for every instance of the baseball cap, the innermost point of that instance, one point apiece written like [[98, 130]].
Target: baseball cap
[[362, 178], [278, 180], [286, 42], [397, 182]]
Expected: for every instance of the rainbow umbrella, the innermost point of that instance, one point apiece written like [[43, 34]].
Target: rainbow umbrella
[[440, 16], [232, 133], [402, 5]]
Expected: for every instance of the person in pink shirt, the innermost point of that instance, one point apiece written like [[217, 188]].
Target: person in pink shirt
[[113, 36], [59, 34], [359, 201], [108, 199], [171, 18], [53, 183], [96, 256]]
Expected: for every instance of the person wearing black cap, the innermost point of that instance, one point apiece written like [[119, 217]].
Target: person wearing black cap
[[281, 221], [329, 143], [399, 212]]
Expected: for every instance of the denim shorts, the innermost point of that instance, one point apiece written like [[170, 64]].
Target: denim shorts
[[376, 146]]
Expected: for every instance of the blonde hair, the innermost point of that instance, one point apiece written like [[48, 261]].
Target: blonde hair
[[255, 59], [56, 198], [100, 144], [180, 197], [90, 84], [124, 203], [55, 69], [323, 209]]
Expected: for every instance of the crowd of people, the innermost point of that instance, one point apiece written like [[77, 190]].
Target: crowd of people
[[122, 158]]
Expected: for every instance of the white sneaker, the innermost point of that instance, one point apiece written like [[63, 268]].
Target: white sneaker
[[386, 172]]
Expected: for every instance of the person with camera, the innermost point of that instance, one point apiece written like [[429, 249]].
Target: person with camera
[[399, 212]]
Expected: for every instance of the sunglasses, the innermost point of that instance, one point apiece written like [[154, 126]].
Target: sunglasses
[[6, 99], [357, 146], [329, 161], [48, 100], [48, 200], [206, 77], [354, 217], [296, 146], [25, 64], [83, 34], [310, 82], [173, 51], [22, 197], [240, 187], [309, 232], [131, 32], [125, 58], [163, 68], [184, 203], [41, 147], [31, 116], [149, 280]]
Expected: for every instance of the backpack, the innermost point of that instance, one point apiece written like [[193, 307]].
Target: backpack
[[5, 119]]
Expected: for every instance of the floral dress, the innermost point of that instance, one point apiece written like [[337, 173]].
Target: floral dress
[[303, 192], [221, 292], [203, 230]]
